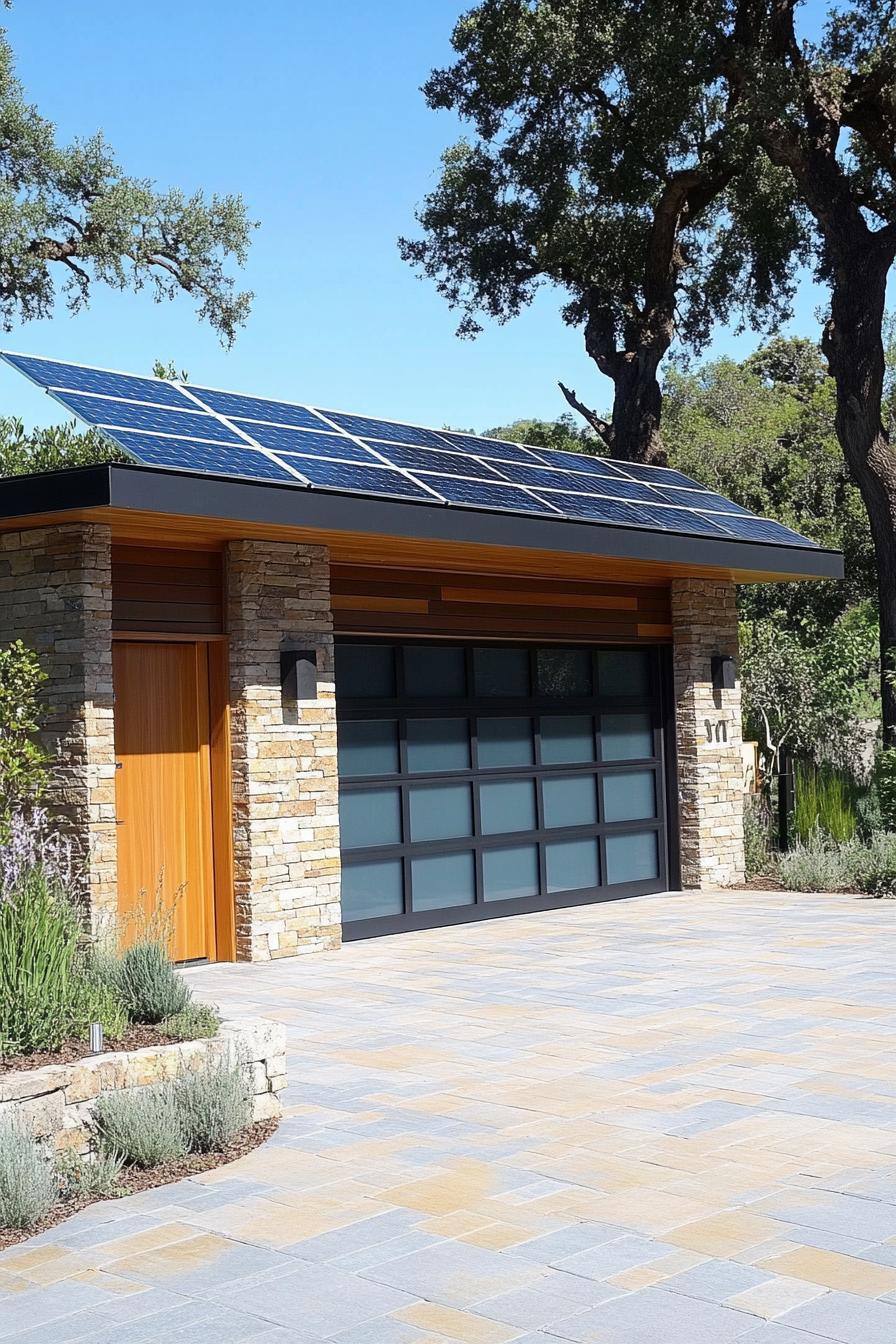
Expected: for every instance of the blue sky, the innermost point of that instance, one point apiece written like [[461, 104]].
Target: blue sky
[[314, 113]]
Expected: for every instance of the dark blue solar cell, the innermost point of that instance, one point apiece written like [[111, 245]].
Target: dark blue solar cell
[[492, 448], [543, 478], [430, 459], [682, 520], [594, 466], [305, 441], [157, 419], [50, 373], [360, 480], [237, 407], [751, 528], [390, 430], [595, 509], [486, 494], [187, 455], [700, 499], [658, 475]]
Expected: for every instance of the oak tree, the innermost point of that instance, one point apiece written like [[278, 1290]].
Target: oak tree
[[602, 163]]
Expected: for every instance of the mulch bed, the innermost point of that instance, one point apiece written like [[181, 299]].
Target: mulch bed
[[133, 1179], [135, 1038]]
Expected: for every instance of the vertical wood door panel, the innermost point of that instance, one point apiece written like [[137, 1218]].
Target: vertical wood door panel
[[163, 791]]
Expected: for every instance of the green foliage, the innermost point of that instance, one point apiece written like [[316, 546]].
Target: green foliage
[[141, 1126], [98, 1176], [27, 1181], [561, 435], [762, 432], [169, 372], [214, 1104], [757, 836], [70, 213], [885, 786], [52, 448], [821, 864], [147, 983], [47, 993], [23, 763], [195, 1022], [809, 698], [825, 801]]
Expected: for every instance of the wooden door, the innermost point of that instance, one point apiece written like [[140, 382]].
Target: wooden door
[[163, 790]]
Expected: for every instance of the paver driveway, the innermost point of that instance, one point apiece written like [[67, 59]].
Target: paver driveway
[[664, 1121]]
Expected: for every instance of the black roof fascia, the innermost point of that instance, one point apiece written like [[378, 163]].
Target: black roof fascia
[[195, 494]]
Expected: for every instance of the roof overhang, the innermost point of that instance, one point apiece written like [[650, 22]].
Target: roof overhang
[[256, 508]]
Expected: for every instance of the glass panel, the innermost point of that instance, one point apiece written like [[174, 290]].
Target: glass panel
[[632, 858], [438, 744], [365, 670], [507, 805], [623, 672], [510, 873], [564, 672], [442, 880], [369, 817], [629, 797], [625, 737], [570, 800], [572, 865], [501, 671], [505, 742], [368, 747], [566, 738], [372, 889], [441, 812], [434, 670]]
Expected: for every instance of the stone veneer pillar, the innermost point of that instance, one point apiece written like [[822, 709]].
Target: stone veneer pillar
[[285, 787], [708, 734], [56, 596]]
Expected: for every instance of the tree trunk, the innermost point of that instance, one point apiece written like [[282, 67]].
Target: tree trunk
[[637, 405], [853, 344]]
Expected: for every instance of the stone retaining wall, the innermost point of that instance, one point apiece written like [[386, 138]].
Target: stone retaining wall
[[56, 1102]]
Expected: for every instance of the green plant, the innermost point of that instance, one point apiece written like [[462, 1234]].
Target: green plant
[[142, 1126], [147, 983], [819, 864], [27, 1181], [23, 764], [99, 1175], [825, 800], [878, 876], [757, 836], [196, 1022], [214, 1104], [885, 784]]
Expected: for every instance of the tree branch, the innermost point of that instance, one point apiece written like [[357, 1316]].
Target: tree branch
[[599, 425]]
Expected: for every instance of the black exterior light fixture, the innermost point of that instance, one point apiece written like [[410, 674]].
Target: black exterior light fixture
[[298, 675], [723, 672]]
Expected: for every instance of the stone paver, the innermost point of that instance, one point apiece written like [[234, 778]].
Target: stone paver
[[648, 1121]]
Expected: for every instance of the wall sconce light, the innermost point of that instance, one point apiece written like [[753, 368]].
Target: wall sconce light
[[298, 675], [724, 675]]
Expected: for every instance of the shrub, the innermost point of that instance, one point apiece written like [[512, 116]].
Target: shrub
[[825, 800], [98, 1176], [196, 1022], [23, 764], [214, 1105], [819, 864], [143, 1126], [757, 836], [878, 877], [27, 1181], [885, 786], [147, 983]]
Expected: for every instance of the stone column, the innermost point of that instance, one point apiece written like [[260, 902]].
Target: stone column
[[56, 596], [708, 734], [285, 788]]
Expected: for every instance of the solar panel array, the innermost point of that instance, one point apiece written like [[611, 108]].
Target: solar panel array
[[189, 428]]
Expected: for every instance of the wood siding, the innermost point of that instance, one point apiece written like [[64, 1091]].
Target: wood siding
[[167, 591], [400, 601]]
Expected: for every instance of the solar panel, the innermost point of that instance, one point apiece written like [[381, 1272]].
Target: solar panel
[[198, 429]]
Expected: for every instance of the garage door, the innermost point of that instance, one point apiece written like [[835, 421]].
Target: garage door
[[488, 780]]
